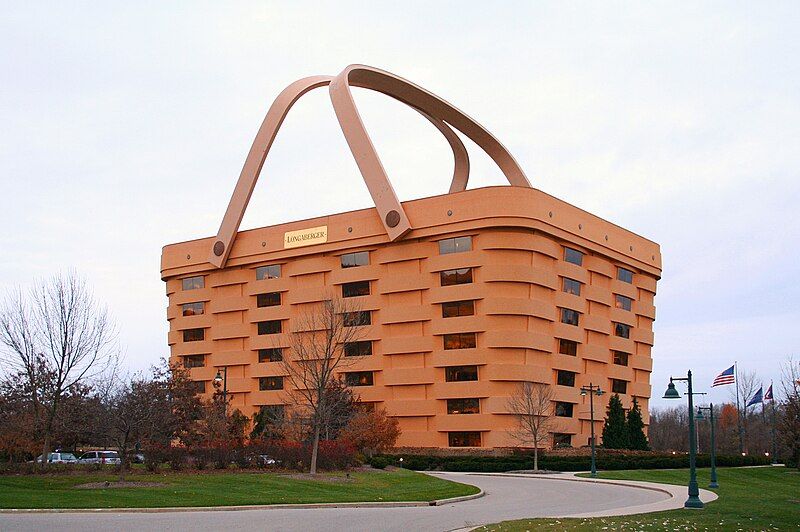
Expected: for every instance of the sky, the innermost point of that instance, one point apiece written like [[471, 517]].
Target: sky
[[125, 125]]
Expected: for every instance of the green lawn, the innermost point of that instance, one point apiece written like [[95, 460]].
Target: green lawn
[[765, 498], [223, 489]]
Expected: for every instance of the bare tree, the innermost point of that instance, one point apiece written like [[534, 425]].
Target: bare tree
[[58, 330], [746, 385], [317, 343], [790, 418], [532, 404]]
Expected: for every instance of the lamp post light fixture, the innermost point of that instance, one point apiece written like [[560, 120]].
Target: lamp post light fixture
[[710, 409], [592, 390], [694, 492], [223, 380]]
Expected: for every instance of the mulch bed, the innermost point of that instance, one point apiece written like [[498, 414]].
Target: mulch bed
[[119, 484]]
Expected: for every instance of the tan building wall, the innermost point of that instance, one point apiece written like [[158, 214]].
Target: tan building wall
[[517, 260]]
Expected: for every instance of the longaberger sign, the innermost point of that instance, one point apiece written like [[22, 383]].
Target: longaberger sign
[[305, 237]]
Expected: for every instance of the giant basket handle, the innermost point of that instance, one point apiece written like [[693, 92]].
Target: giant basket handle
[[392, 214]]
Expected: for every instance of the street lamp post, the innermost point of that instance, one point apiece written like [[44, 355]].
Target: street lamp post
[[223, 379], [592, 390], [710, 409], [694, 492]]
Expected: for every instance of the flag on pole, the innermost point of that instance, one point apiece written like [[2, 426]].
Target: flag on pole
[[768, 396], [726, 377], [757, 398]]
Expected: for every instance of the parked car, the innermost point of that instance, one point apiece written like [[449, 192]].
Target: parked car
[[100, 457], [58, 458]]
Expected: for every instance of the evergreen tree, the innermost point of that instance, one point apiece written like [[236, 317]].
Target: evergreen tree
[[615, 429], [636, 438]]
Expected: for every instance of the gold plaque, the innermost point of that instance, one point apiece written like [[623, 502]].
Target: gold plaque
[[305, 237]]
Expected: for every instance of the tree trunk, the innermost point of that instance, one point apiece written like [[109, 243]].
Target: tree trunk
[[314, 449], [45, 449], [536, 457]]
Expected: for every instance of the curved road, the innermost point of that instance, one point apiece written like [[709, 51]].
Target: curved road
[[507, 497]]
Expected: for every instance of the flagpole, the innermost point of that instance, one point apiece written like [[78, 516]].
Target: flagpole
[[738, 410]]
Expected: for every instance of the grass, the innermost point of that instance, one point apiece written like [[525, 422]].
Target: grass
[[223, 489], [764, 498]]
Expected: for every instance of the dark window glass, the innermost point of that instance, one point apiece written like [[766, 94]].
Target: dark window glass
[[622, 330], [193, 309], [464, 439], [358, 288], [463, 406], [193, 283], [564, 409], [620, 358], [358, 349], [271, 299], [565, 378], [355, 319], [460, 341], [453, 309], [360, 258], [574, 256], [459, 276], [194, 361], [569, 316], [272, 414], [194, 335], [198, 386], [273, 271], [460, 373], [568, 347], [270, 355], [270, 383], [623, 302], [626, 276], [359, 378], [269, 327], [455, 245], [619, 386], [562, 440], [571, 286]]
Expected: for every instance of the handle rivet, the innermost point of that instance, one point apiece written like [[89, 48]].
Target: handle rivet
[[449, 213], [219, 248], [392, 218], [349, 229]]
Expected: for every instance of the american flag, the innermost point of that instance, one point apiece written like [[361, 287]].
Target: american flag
[[726, 377]]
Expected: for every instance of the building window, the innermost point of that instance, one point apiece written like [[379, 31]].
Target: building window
[[272, 414], [626, 276], [270, 355], [568, 347], [622, 330], [464, 406], [198, 386], [269, 327], [571, 286], [362, 348], [355, 319], [194, 335], [350, 260], [359, 378], [193, 283], [454, 309], [574, 256], [623, 302], [194, 361], [455, 245], [358, 288], [620, 358], [565, 378], [460, 341], [270, 383], [459, 276], [564, 409], [273, 271], [272, 299], [561, 440], [460, 373], [569, 316], [464, 439], [619, 386], [193, 309]]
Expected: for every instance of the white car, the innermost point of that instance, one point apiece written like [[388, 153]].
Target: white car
[[58, 458], [100, 457]]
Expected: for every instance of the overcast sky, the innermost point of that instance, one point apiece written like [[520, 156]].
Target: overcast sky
[[125, 126]]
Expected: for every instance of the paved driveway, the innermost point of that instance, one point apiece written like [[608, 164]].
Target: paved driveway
[[507, 497]]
